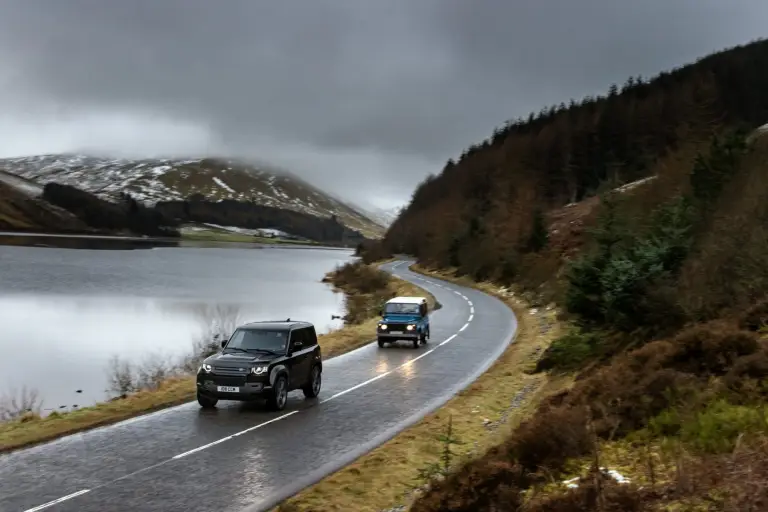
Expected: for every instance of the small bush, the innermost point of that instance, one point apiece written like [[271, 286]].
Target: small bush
[[711, 348], [571, 350], [755, 318], [614, 497], [359, 277], [366, 287], [550, 438], [715, 429], [488, 484]]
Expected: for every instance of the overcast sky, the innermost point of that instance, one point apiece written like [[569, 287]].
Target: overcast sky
[[363, 98]]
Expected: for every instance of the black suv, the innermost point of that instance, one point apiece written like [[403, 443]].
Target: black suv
[[263, 360]]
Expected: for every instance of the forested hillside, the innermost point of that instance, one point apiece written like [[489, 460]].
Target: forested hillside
[[663, 288], [480, 213]]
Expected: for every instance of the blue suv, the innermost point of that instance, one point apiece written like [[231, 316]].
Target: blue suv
[[404, 318]]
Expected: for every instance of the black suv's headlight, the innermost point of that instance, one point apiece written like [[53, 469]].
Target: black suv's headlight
[[205, 368], [259, 370], [410, 327], [383, 327]]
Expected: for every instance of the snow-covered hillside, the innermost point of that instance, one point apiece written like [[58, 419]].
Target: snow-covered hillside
[[152, 180], [382, 216]]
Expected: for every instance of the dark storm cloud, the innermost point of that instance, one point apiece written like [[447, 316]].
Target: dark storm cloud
[[346, 93]]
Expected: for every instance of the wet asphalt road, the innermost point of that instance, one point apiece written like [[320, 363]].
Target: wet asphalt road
[[241, 457]]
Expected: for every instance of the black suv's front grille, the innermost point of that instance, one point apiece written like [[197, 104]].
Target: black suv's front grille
[[223, 370], [221, 380]]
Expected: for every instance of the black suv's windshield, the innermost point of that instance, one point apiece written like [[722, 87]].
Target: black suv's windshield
[[394, 308], [258, 340]]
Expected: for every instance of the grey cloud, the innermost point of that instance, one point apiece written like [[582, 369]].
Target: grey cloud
[[351, 93]]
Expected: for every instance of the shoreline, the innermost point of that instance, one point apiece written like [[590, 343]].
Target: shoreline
[[30, 429], [180, 242]]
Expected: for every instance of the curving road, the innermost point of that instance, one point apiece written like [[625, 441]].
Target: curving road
[[243, 458]]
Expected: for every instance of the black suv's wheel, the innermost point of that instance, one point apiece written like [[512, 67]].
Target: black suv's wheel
[[416, 343], [279, 396], [381, 343], [206, 402], [312, 389], [423, 338]]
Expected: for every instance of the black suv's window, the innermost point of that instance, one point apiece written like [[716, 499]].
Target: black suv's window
[[258, 339], [311, 337], [299, 335]]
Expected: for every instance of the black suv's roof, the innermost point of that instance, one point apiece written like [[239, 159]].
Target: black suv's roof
[[276, 325]]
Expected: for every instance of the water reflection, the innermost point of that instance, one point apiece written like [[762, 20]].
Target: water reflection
[[59, 346], [64, 314]]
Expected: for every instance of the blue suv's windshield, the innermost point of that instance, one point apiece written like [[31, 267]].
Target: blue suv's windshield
[[394, 308]]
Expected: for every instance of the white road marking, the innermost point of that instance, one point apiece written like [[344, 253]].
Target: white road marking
[[340, 393], [199, 448], [464, 326], [472, 310], [264, 424], [415, 359], [59, 500], [469, 302], [447, 340], [470, 318]]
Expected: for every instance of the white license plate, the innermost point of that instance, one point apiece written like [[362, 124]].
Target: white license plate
[[396, 332], [227, 389]]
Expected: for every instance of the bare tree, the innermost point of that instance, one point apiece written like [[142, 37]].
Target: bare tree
[[218, 322], [120, 377], [17, 403]]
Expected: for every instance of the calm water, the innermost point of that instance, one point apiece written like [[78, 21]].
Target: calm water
[[65, 312]]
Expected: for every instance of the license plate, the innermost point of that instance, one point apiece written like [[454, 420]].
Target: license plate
[[397, 332], [228, 389]]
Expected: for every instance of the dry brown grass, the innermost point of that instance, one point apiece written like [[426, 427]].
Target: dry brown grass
[[29, 431], [481, 416]]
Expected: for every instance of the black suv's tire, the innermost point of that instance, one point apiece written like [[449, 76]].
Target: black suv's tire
[[312, 389], [381, 343], [279, 396], [423, 338], [416, 342], [206, 402]]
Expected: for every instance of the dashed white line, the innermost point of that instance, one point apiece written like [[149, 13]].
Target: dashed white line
[[464, 326], [447, 340], [59, 500], [470, 318], [264, 424], [472, 310], [340, 393], [199, 448], [470, 303]]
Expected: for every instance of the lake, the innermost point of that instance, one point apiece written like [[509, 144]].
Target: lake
[[65, 312]]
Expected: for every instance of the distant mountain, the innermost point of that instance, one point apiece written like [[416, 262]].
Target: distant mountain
[[167, 179], [382, 216]]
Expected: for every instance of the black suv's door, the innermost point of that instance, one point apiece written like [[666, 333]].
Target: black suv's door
[[300, 359]]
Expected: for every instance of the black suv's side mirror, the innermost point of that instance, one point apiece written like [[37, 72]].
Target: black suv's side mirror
[[223, 342], [381, 312]]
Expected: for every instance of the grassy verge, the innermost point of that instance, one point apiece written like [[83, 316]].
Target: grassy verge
[[480, 416], [31, 429]]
